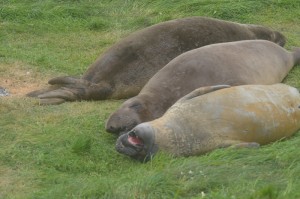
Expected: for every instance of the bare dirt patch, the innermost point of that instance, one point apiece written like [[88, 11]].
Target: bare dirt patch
[[18, 79]]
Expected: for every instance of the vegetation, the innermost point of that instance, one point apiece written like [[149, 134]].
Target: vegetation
[[64, 152]]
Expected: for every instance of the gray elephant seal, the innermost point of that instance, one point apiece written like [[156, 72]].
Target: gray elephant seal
[[233, 63], [241, 116], [123, 70]]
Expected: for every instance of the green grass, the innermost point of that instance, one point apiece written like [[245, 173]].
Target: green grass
[[64, 152]]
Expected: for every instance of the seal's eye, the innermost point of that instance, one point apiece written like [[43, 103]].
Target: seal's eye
[[136, 106]]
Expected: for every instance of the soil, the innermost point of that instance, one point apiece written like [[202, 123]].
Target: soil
[[18, 80]]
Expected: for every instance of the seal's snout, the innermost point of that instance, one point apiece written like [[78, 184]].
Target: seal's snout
[[116, 130], [111, 129], [138, 143], [121, 121], [130, 143], [112, 125]]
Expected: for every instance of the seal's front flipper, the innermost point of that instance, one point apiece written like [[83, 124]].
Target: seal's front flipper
[[201, 91]]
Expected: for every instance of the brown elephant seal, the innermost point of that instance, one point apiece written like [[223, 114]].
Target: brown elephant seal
[[241, 116], [233, 63], [123, 70]]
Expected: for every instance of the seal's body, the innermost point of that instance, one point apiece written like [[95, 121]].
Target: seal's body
[[232, 63], [125, 68], [249, 115]]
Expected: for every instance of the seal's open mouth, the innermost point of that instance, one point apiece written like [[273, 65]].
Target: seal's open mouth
[[130, 144], [134, 140], [139, 143]]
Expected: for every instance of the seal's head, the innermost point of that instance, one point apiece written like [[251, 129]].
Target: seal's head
[[139, 143], [132, 112]]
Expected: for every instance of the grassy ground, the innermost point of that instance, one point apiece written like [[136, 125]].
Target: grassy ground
[[64, 152]]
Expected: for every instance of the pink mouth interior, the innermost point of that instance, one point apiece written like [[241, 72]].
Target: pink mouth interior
[[135, 140]]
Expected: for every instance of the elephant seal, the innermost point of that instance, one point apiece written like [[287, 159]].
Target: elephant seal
[[232, 63], [241, 116], [123, 70]]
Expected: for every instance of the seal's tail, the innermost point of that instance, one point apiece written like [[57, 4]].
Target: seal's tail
[[278, 38], [296, 52]]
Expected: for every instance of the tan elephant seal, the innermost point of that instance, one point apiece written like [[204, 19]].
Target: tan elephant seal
[[233, 63], [123, 70], [241, 116]]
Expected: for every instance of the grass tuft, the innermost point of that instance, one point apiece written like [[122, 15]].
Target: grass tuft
[[82, 145], [268, 192], [98, 25]]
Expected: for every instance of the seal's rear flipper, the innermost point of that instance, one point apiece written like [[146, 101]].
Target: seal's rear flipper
[[296, 52], [68, 80], [36, 93], [62, 93], [278, 38], [54, 95], [57, 83], [67, 88], [201, 91]]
